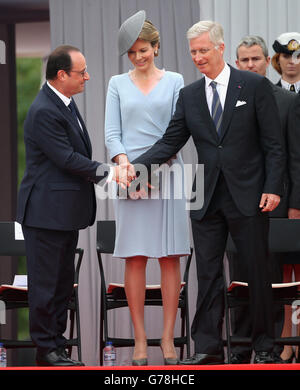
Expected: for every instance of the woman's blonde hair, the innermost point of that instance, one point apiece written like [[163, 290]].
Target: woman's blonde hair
[[150, 34]]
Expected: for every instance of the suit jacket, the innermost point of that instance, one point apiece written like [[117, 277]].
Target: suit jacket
[[249, 150], [57, 191], [288, 104]]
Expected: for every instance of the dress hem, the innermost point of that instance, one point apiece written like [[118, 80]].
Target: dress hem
[[181, 254]]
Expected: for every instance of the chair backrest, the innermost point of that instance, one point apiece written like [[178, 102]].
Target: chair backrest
[[284, 236], [9, 246], [106, 234]]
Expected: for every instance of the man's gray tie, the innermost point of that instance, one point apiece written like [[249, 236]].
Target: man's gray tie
[[216, 108]]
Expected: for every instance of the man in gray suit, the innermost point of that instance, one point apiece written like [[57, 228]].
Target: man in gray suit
[[252, 55]]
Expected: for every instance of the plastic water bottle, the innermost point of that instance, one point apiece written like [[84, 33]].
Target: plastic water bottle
[[3, 361], [109, 358]]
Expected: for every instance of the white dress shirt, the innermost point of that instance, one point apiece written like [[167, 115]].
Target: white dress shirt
[[287, 85], [222, 81], [64, 98]]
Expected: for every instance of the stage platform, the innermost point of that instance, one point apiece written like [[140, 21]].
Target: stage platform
[[219, 367], [132, 377]]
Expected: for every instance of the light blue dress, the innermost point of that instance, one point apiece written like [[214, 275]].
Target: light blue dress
[[133, 123]]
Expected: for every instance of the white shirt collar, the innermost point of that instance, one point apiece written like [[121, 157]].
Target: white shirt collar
[[222, 78], [287, 85], [64, 98]]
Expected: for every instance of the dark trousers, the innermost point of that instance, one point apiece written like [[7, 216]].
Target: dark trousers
[[50, 267], [250, 235], [240, 319]]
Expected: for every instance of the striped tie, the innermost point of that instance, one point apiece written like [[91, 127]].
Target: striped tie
[[216, 108]]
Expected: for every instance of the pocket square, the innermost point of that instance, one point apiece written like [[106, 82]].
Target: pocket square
[[240, 103]]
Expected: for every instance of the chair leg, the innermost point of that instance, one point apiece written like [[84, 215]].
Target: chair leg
[[228, 337], [71, 332], [103, 329], [78, 330], [75, 317], [227, 321], [182, 331], [187, 325], [101, 341]]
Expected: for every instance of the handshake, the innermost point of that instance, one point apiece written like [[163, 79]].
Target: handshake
[[124, 174]]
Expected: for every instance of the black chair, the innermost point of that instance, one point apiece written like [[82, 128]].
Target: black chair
[[113, 296], [17, 297], [284, 236]]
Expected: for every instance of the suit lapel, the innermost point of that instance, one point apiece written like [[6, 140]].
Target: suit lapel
[[234, 89], [67, 113], [84, 133], [205, 113]]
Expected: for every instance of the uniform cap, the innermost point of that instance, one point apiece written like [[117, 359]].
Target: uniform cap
[[287, 43]]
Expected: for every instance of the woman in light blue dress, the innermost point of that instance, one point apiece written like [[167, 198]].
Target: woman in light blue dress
[[139, 106]]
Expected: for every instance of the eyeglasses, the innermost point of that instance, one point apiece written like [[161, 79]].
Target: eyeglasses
[[81, 72]]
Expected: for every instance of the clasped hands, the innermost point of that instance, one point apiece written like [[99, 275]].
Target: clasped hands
[[124, 174]]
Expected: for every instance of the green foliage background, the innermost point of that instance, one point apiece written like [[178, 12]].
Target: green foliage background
[[29, 73]]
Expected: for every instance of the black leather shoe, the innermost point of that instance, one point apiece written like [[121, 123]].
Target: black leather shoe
[[264, 358], [55, 359], [238, 358], [203, 358], [277, 359], [64, 354]]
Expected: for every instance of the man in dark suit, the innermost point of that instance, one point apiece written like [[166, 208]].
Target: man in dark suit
[[236, 132], [252, 55], [56, 199]]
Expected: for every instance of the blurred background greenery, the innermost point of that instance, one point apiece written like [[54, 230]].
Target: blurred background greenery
[[29, 74]]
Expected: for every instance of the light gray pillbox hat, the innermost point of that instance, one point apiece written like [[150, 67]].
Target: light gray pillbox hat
[[130, 31]]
